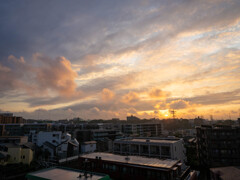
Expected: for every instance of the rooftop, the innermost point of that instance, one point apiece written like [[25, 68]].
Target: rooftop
[[12, 137], [134, 160], [89, 142], [227, 173], [167, 141], [61, 173]]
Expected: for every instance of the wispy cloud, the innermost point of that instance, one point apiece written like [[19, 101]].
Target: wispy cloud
[[105, 59]]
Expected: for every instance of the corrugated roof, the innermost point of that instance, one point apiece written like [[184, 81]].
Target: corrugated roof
[[166, 141], [135, 160]]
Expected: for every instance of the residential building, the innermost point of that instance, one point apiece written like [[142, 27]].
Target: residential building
[[96, 134], [100, 134], [159, 148], [133, 167], [198, 121], [149, 129], [225, 173], [143, 130], [17, 153], [11, 129], [129, 129], [218, 145], [8, 118], [4, 157], [58, 144], [37, 127], [13, 139], [23, 129], [132, 118], [105, 145], [63, 173], [88, 146]]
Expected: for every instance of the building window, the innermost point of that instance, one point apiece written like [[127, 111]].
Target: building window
[[165, 150]]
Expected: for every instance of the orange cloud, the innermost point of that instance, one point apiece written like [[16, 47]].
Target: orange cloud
[[161, 105], [158, 93], [57, 76], [39, 76], [131, 97], [179, 104], [107, 94]]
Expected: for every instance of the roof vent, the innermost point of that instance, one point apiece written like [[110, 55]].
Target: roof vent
[[96, 157], [147, 140], [127, 158]]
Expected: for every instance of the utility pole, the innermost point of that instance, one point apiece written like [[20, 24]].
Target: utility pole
[[173, 112]]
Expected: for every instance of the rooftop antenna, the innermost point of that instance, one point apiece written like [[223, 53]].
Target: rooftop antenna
[[211, 117], [173, 112]]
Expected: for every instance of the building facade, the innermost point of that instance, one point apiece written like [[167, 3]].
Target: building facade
[[133, 167], [58, 144], [218, 145], [17, 153], [18, 129], [8, 118], [13, 139], [158, 148], [143, 130], [88, 146]]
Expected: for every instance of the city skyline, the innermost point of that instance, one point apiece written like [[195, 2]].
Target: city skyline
[[113, 59]]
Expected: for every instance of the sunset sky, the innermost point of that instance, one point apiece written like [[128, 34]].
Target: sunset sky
[[107, 59]]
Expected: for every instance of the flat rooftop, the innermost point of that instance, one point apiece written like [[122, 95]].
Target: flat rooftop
[[167, 141], [89, 142], [12, 137], [134, 160], [60, 173], [227, 173]]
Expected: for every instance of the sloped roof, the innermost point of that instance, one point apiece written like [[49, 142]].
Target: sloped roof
[[49, 145], [70, 142], [11, 145], [3, 155], [29, 145]]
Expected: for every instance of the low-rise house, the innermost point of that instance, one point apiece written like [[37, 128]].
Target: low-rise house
[[4, 157], [58, 144], [17, 153], [88, 146]]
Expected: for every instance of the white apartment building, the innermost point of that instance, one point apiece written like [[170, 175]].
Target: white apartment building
[[158, 148], [57, 143]]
